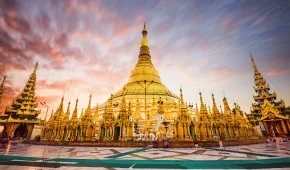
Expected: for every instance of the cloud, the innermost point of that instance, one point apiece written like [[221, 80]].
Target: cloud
[[278, 72], [221, 73], [18, 24]]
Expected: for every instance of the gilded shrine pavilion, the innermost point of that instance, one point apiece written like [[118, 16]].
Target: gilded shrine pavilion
[[144, 108], [19, 119], [269, 114]]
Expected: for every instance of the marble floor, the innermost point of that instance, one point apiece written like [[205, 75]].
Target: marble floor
[[107, 155]]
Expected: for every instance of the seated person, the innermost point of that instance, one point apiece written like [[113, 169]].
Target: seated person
[[166, 144]]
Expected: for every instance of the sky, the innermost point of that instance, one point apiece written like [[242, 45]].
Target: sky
[[91, 46]]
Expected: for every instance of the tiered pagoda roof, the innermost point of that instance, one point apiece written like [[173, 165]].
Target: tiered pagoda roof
[[23, 107]]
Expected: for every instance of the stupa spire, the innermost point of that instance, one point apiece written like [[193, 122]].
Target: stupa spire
[[1, 89], [144, 69], [75, 112], [215, 110], [66, 116], [89, 110], [51, 118], [35, 68], [203, 109], [144, 41], [59, 112], [181, 97], [227, 109]]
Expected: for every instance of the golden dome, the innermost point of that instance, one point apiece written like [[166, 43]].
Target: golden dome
[[144, 75]]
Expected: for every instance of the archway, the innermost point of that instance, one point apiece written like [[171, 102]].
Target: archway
[[78, 133], [102, 133], [117, 133], [191, 129], [21, 131], [64, 134], [89, 133]]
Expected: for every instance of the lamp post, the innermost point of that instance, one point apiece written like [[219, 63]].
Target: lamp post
[[145, 87]]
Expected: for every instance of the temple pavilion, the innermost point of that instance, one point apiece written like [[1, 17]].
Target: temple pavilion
[[19, 119], [270, 114]]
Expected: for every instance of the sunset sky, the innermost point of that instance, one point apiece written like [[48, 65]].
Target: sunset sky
[[91, 46]]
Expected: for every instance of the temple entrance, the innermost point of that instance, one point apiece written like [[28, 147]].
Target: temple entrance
[[102, 133], [275, 128], [21, 131], [78, 133], [117, 133], [64, 134], [191, 129], [89, 133]]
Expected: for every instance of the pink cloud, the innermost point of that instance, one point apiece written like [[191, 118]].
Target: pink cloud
[[278, 72], [221, 73]]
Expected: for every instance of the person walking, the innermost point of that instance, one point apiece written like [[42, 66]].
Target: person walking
[[221, 145]]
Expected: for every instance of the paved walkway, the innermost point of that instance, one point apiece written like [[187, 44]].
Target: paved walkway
[[24, 156]]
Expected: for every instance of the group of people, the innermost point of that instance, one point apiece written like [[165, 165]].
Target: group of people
[[283, 139], [155, 143]]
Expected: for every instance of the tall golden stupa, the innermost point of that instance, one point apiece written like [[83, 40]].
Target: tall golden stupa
[[144, 83]]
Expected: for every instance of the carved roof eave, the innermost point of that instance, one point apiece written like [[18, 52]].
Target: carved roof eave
[[276, 116]]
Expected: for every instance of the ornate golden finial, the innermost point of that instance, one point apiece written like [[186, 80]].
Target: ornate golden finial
[[200, 97], [35, 68], [181, 97], [144, 41], [89, 106]]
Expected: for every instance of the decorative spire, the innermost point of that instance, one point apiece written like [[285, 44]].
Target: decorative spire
[[66, 116], [144, 41], [35, 68], [203, 109], [137, 114], [82, 114], [123, 109], [221, 109], [59, 112], [1, 89], [148, 73], [227, 109], [88, 110], [209, 110], [215, 110], [75, 113], [51, 118], [181, 97], [254, 64]]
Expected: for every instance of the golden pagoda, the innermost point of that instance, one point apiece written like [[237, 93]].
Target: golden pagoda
[[20, 118], [274, 122], [145, 109], [144, 81]]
